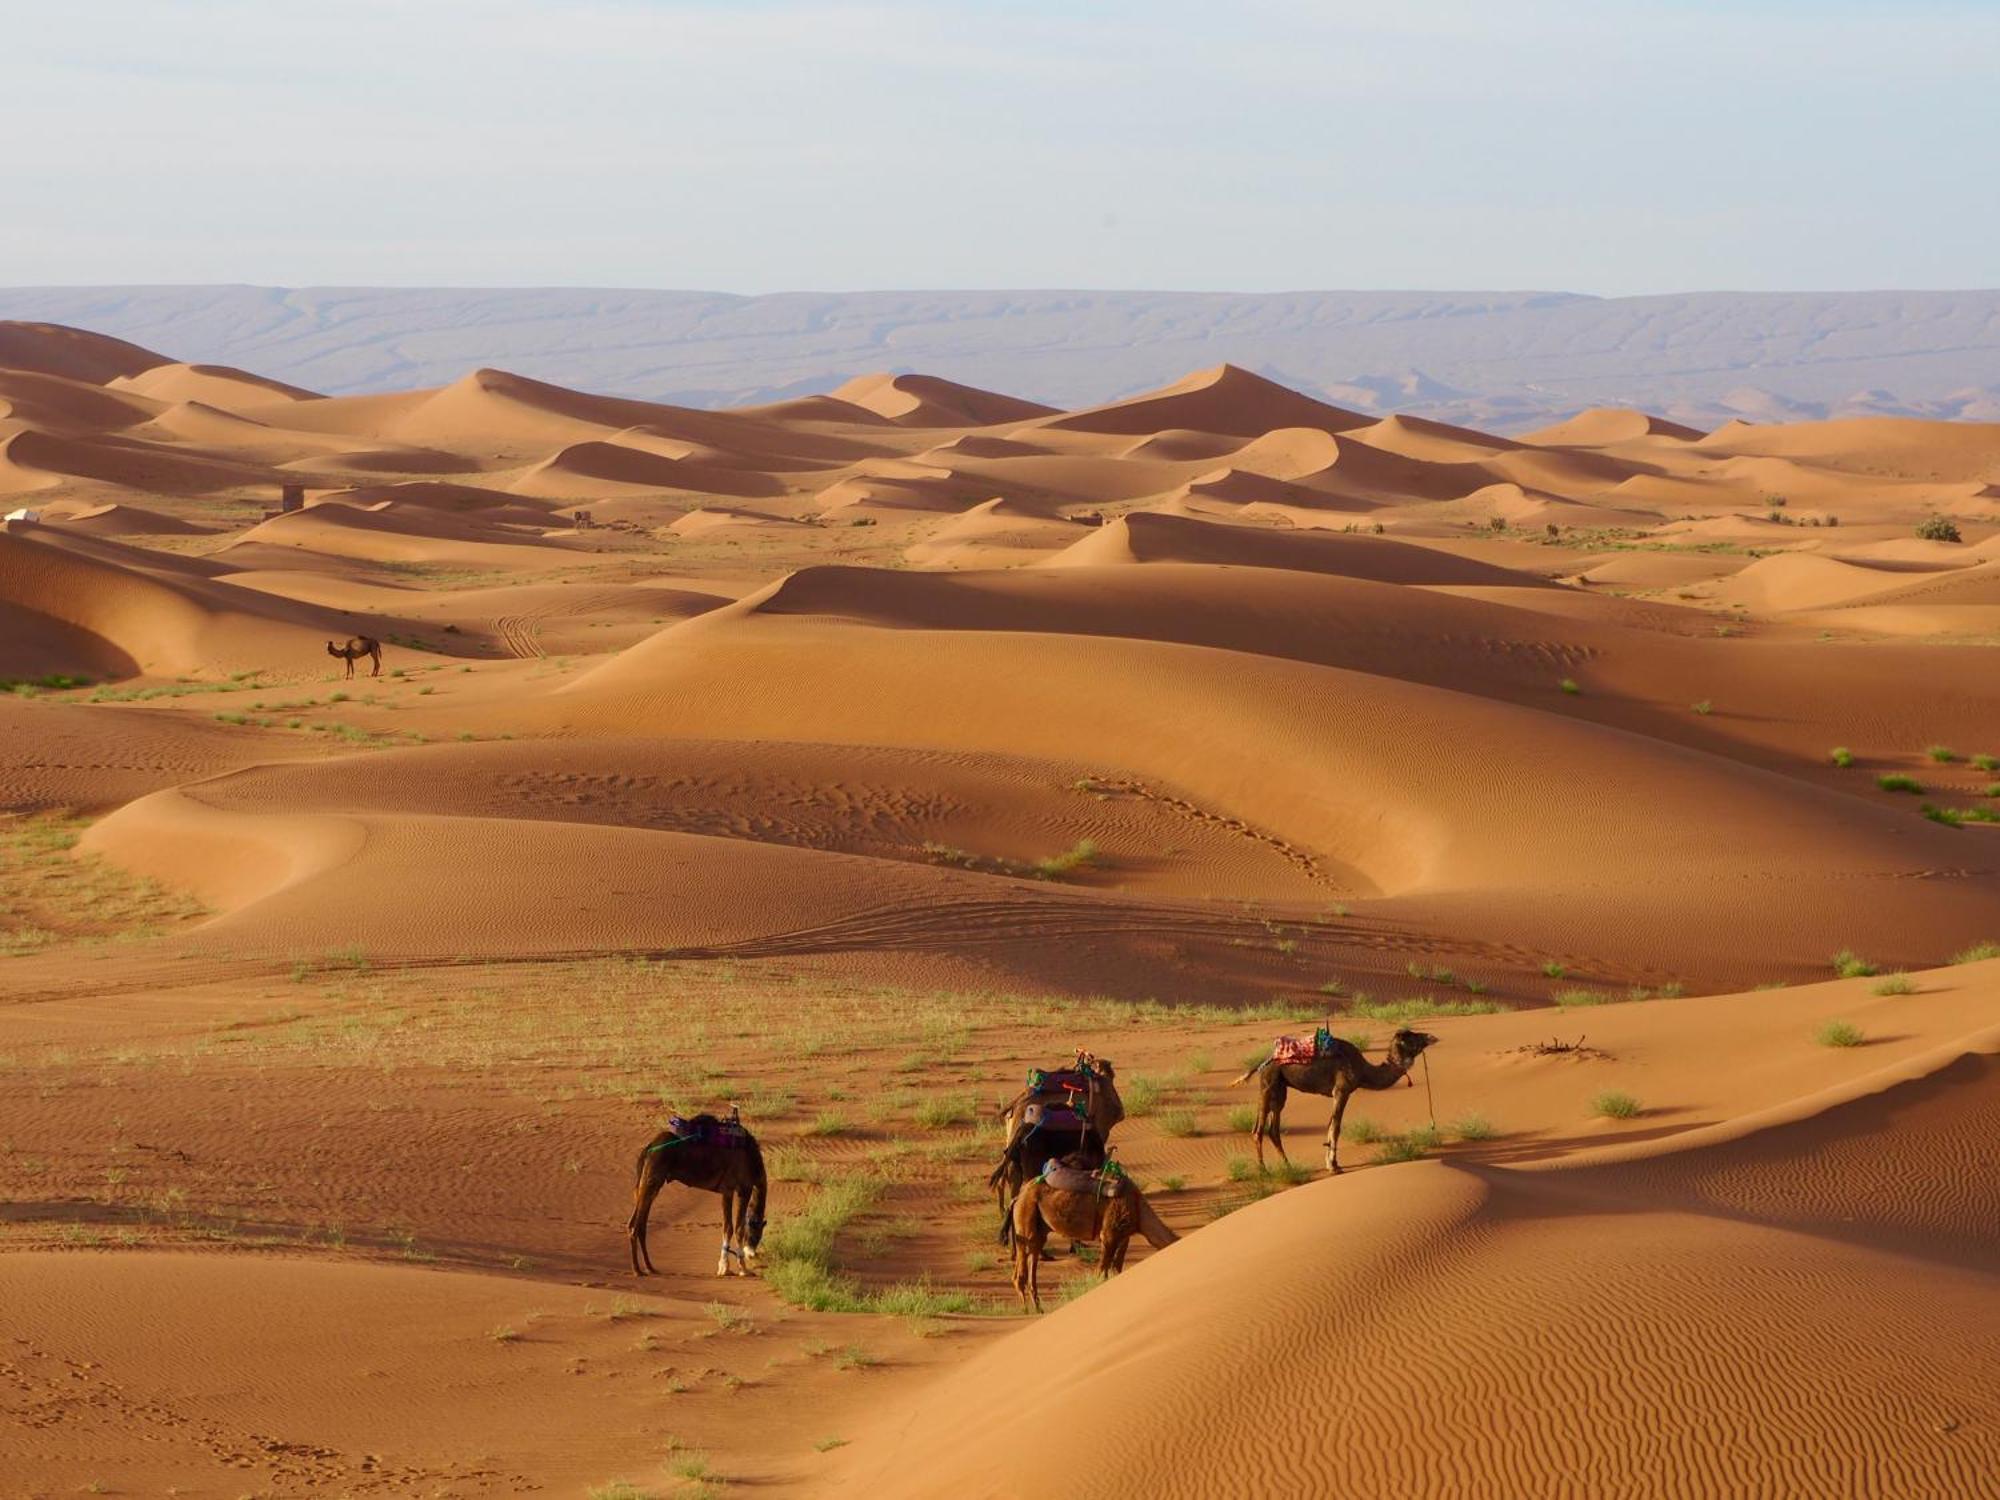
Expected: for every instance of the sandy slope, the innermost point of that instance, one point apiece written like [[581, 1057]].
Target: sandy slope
[[1370, 1333]]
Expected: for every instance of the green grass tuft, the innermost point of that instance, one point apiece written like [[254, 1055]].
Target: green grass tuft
[[1895, 984], [1977, 953], [1614, 1105], [1891, 781], [1841, 756], [1839, 1034], [1850, 965]]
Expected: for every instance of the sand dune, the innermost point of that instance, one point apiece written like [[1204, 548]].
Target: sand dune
[[1606, 427], [71, 353], [213, 385], [585, 470], [874, 747], [119, 520], [1220, 400], [39, 460], [1143, 538], [926, 401]]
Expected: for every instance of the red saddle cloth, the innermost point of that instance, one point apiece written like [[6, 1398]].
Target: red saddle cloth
[[1294, 1049]]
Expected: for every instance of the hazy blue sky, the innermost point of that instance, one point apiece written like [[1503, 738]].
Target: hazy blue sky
[[756, 145]]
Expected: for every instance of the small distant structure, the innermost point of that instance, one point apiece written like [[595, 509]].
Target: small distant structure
[[290, 498], [585, 521], [21, 517]]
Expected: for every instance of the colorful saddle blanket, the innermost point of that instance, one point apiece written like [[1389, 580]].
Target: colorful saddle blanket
[[1302, 1049]]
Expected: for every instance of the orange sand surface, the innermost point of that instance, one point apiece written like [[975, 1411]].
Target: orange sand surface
[[845, 757]]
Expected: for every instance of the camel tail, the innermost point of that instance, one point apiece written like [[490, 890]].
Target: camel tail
[[1249, 1074], [1153, 1227]]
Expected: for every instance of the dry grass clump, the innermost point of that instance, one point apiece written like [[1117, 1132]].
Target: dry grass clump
[[50, 895]]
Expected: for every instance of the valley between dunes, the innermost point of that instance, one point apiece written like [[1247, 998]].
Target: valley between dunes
[[846, 757]]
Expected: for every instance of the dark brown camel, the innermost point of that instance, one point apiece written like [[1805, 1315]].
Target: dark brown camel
[[1109, 1221], [1041, 1127], [716, 1156], [1337, 1072], [356, 647]]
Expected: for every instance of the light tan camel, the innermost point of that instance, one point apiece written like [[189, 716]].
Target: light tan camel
[[1088, 1215], [1338, 1072]]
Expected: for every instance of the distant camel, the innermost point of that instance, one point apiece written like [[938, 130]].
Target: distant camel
[[716, 1156], [358, 646], [1045, 1122], [1110, 1220], [1338, 1072]]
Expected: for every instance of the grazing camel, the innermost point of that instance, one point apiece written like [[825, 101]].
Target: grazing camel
[[358, 646], [1108, 1211], [1338, 1072], [716, 1156], [1062, 1112]]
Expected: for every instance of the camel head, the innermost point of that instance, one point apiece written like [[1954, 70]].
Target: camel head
[[754, 1236], [1407, 1045]]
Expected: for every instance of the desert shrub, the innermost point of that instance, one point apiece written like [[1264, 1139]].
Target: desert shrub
[[1553, 970], [1079, 854], [1977, 953], [1473, 1128], [1178, 1122], [1838, 1034], [1944, 755], [1850, 965], [1569, 685], [1985, 763], [1141, 1094], [1613, 1105], [1938, 529], [1704, 708], [1242, 1119], [942, 1111], [1841, 756], [1896, 984], [1362, 1131], [1896, 782]]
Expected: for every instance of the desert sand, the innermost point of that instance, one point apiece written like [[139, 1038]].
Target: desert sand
[[845, 757]]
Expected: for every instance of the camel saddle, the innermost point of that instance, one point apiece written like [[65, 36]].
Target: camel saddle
[[1302, 1049], [723, 1131], [1070, 1099], [1076, 1173]]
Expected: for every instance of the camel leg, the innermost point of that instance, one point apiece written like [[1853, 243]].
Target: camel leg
[[729, 1233], [643, 1194], [1340, 1099], [377, 656], [1010, 1189]]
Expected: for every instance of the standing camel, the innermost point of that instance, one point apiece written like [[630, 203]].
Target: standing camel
[[1338, 1072], [716, 1156], [1108, 1211], [356, 647]]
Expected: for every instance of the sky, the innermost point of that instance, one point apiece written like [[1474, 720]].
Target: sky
[[1596, 146]]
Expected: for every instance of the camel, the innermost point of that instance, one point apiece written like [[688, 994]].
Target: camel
[[357, 647], [1042, 1127], [1110, 1219], [716, 1156], [1338, 1072]]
